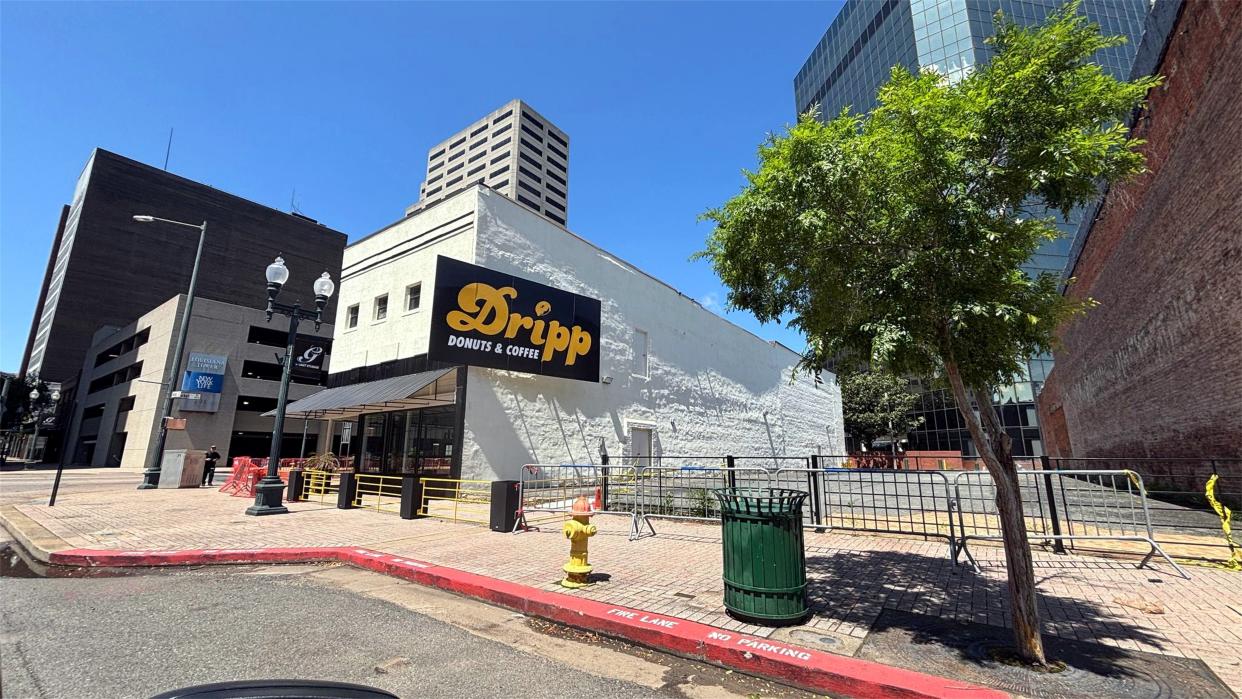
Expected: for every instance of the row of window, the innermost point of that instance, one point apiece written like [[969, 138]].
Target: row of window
[[379, 305], [129, 344], [120, 376]]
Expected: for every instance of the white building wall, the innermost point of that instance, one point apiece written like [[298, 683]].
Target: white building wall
[[712, 388], [387, 262]]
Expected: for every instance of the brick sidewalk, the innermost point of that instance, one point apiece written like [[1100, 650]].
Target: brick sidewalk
[[677, 573]]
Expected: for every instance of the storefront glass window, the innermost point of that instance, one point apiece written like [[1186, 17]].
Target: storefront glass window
[[419, 442]]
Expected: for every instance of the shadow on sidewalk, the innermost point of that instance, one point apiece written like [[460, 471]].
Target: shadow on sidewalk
[[855, 586]]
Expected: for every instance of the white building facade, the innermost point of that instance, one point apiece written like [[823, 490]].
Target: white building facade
[[675, 379]]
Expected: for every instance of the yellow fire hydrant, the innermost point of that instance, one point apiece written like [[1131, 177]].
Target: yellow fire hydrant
[[578, 530]]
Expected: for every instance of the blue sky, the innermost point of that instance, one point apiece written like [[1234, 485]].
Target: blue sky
[[664, 103]]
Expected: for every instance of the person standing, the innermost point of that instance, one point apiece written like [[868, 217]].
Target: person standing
[[209, 465]]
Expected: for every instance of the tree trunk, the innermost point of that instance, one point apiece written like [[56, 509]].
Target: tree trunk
[[994, 448]]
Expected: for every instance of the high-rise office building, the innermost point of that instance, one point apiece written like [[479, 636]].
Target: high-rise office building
[[106, 269], [855, 57], [514, 150]]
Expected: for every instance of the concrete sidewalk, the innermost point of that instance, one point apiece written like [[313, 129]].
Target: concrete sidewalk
[[677, 573]]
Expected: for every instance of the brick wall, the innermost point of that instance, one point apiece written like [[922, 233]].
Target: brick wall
[[1156, 369]]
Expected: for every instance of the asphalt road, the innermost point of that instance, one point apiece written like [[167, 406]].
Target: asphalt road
[[139, 635]]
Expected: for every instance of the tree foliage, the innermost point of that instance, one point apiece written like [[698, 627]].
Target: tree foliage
[[899, 236], [877, 404]]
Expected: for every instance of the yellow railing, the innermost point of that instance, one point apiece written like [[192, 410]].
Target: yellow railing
[[457, 500], [320, 485], [375, 492]]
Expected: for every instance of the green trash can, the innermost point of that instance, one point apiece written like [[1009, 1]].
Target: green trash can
[[764, 559]]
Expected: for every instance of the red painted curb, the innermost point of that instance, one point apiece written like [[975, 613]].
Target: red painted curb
[[803, 667]]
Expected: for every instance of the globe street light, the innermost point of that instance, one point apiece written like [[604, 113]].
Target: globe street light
[[151, 477], [39, 412], [267, 496]]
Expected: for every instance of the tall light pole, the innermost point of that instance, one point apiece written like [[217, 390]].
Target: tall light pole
[[267, 496], [151, 477], [38, 413]]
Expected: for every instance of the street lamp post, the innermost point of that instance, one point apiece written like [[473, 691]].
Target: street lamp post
[[151, 477], [38, 413], [267, 497]]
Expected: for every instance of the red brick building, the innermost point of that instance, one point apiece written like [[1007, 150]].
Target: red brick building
[[1156, 368]]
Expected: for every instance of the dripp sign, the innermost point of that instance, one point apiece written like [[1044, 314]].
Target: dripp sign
[[481, 317]]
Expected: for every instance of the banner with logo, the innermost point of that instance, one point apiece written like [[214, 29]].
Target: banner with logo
[[309, 353], [481, 317], [203, 382]]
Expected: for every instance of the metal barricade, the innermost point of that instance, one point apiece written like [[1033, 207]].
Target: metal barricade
[[1081, 505], [884, 501], [546, 492], [321, 486], [680, 488], [457, 500], [376, 492]]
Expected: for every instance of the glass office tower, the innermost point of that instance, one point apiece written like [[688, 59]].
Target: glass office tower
[[851, 62]]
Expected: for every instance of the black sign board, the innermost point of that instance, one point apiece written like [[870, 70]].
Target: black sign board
[[481, 317], [308, 355]]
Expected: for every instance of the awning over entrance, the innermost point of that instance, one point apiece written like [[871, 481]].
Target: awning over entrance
[[423, 390]]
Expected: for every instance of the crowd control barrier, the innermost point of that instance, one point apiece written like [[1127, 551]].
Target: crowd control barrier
[[546, 492], [1074, 505]]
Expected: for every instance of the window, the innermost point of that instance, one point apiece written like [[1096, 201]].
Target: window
[[476, 144], [351, 316], [528, 188], [558, 139], [557, 151], [500, 185], [436, 166], [125, 405], [641, 347], [532, 133], [502, 117], [432, 191], [500, 171], [456, 143], [554, 217], [476, 170], [455, 168], [94, 411], [502, 129], [533, 120], [522, 169], [478, 131], [528, 202], [381, 307], [555, 191], [530, 160], [456, 155], [454, 181], [437, 154], [476, 156], [500, 144], [556, 177], [531, 146], [413, 296], [499, 158], [435, 179]]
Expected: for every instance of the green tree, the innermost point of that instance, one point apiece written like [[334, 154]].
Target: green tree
[[899, 236], [877, 404]]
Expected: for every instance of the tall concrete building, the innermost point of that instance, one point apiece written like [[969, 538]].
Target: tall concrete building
[[106, 269], [855, 57], [514, 150]]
